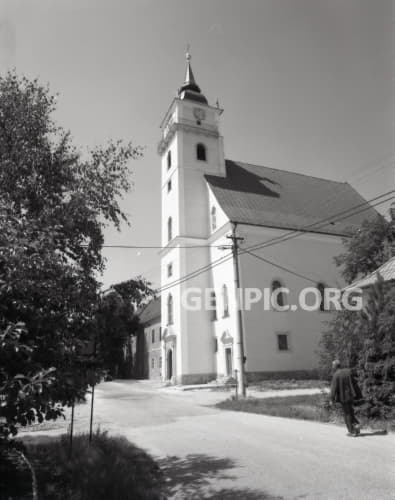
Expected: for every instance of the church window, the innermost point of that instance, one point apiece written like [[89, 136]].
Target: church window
[[168, 159], [225, 301], [169, 186], [213, 219], [321, 288], [153, 363], [169, 228], [153, 336], [201, 152], [169, 270], [282, 342], [160, 333], [170, 310], [213, 308], [215, 344], [278, 298]]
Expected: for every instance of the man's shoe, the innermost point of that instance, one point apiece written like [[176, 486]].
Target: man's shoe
[[352, 434]]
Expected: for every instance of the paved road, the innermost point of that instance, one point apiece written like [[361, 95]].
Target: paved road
[[209, 453]]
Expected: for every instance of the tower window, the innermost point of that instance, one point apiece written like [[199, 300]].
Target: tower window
[[169, 229], [213, 304], [153, 336], [201, 152], [168, 159], [169, 186], [225, 301], [170, 310], [160, 333], [169, 270], [278, 298], [213, 219]]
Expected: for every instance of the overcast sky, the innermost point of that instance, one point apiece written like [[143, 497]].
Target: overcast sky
[[305, 84]]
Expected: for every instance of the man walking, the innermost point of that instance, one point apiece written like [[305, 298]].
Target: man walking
[[345, 390]]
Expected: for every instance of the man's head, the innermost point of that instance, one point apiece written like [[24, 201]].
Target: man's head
[[336, 365]]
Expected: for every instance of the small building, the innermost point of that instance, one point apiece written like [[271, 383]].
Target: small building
[[151, 337]]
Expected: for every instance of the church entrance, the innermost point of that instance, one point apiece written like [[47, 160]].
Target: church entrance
[[228, 361], [169, 364]]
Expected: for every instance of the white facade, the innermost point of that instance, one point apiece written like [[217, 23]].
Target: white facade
[[196, 346]]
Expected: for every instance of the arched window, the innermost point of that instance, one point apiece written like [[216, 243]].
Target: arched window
[[170, 310], [225, 301], [169, 229], [201, 152], [321, 288], [278, 298], [168, 159], [213, 308], [213, 219]]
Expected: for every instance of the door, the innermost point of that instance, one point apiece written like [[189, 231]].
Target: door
[[229, 361], [169, 364]]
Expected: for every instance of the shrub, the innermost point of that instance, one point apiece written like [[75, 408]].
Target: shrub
[[110, 468]]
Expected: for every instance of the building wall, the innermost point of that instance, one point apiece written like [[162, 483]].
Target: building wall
[[152, 333]]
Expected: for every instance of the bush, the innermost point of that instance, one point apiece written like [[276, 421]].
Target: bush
[[110, 468]]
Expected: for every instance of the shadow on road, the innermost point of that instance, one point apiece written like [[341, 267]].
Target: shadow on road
[[194, 477], [373, 433]]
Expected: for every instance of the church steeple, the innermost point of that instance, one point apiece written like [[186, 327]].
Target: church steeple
[[190, 89]]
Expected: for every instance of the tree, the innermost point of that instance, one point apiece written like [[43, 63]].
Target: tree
[[366, 339], [54, 203], [117, 320]]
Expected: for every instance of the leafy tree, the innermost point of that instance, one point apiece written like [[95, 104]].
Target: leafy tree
[[117, 320], [366, 339], [54, 203], [368, 247]]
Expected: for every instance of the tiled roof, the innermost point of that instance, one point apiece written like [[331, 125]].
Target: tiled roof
[[263, 196], [151, 311], [386, 271]]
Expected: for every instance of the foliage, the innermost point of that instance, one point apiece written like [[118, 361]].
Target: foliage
[[366, 339], [377, 357], [116, 320], [23, 396], [111, 467], [54, 204], [367, 249]]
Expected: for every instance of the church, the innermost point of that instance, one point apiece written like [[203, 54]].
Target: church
[[288, 226]]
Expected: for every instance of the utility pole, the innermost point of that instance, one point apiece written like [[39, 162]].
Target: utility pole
[[240, 372]]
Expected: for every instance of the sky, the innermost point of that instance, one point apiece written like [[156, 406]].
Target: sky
[[306, 86]]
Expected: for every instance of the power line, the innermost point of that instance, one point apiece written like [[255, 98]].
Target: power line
[[273, 241]]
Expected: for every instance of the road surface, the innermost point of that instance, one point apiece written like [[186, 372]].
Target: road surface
[[210, 453]]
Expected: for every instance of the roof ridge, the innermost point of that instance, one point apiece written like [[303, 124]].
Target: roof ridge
[[287, 171]]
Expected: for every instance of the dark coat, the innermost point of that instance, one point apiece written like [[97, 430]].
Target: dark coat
[[344, 387]]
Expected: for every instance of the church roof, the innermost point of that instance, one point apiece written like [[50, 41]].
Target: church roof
[[257, 195], [151, 311]]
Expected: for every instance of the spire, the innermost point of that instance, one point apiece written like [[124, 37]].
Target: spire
[[190, 89]]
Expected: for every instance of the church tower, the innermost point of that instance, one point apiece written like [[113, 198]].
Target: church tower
[[191, 146]]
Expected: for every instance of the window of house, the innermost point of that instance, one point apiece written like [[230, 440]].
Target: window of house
[[170, 310], [213, 219], [153, 336], [160, 361], [282, 342], [213, 304], [278, 298], [169, 270], [225, 301], [169, 186], [321, 288], [169, 228], [201, 152], [168, 159]]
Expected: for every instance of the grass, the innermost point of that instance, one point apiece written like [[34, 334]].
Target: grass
[[285, 384], [306, 407], [111, 467]]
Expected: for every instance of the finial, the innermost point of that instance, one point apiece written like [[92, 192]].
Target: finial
[[217, 103], [188, 55]]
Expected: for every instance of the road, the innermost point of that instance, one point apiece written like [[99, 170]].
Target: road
[[210, 453]]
